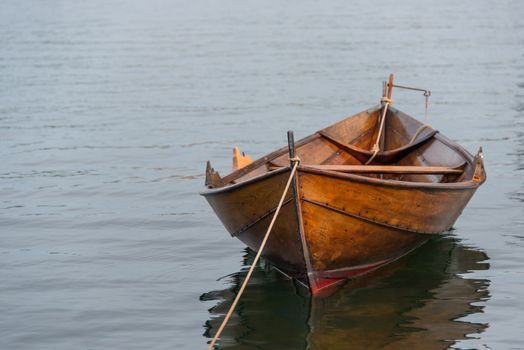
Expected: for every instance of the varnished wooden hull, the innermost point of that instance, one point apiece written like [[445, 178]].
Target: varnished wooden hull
[[350, 226], [246, 210], [337, 225], [366, 224]]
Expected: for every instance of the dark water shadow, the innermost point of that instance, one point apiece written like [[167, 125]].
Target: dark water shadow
[[416, 302]]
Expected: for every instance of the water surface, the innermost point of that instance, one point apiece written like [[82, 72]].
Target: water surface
[[109, 110]]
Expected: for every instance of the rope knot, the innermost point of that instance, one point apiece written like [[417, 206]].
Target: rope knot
[[384, 100], [295, 159]]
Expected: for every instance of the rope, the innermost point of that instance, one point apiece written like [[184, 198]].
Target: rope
[[419, 131], [260, 249], [384, 99], [376, 146]]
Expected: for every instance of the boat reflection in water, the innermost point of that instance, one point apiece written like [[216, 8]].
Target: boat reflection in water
[[416, 302]]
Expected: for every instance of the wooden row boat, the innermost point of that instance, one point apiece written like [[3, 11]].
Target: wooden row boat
[[344, 215]]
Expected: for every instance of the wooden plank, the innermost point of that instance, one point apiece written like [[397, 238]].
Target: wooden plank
[[387, 169], [384, 169]]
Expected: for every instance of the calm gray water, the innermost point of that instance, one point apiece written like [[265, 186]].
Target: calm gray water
[[109, 110]]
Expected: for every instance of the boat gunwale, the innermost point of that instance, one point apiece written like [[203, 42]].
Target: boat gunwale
[[453, 186], [461, 185], [228, 188]]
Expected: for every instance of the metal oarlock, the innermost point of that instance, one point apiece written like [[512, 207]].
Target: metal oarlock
[[426, 93]]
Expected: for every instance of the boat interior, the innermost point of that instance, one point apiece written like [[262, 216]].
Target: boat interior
[[405, 150]]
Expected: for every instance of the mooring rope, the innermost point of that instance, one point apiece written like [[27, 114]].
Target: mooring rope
[[386, 101], [296, 161], [376, 147]]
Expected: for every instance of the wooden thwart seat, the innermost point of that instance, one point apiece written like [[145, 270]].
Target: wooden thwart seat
[[387, 169], [383, 169]]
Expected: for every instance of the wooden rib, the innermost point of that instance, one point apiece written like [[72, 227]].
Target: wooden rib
[[385, 156], [357, 152], [387, 169]]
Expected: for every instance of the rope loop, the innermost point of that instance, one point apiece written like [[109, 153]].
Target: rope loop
[[295, 159], [384, 99], [418, 132]]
